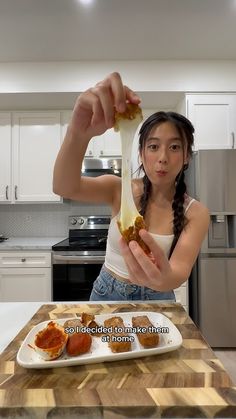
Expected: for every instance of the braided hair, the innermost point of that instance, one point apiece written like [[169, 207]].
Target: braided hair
[[186, 131]]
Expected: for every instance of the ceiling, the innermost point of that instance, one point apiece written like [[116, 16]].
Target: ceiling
[[66, 30]]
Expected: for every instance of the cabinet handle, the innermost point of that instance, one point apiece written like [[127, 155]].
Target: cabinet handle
[[7, 187], [16, 192], [23, 260], [233, 139], [101, 152]]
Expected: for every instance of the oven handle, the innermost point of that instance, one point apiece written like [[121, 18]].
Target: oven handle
[[77, 260]]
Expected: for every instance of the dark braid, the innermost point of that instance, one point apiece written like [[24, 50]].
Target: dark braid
[[145, 195], [186, 131], [180, 220]]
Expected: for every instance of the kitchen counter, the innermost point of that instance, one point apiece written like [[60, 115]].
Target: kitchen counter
[[13, 317], [29, 243], [188, 382]]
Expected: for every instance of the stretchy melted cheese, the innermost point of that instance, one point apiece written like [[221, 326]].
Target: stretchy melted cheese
[[130, 220]]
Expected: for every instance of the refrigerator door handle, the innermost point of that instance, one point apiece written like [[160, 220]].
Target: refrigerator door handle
[[233, 139]]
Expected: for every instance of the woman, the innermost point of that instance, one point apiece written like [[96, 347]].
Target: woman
[[176, 224]]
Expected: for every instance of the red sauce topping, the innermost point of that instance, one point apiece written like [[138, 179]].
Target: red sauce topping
[[50, 337]]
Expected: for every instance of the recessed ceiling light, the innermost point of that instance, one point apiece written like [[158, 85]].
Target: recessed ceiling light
[[86, 2]]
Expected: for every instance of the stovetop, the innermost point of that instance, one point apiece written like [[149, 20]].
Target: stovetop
[[87, 234], [80, 245]]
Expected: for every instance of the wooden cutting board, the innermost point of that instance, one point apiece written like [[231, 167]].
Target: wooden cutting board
[[188, 382]]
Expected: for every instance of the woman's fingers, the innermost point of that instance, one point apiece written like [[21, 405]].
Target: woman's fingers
[[131, 96], [97, 113], [94, 111], [141, 268], [150, 269], [106, 107], [158, 254], [118, 91], [83, 110], [113, 95], [136, 273]]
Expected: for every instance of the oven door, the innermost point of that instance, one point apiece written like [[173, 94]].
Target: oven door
[[73, 277]]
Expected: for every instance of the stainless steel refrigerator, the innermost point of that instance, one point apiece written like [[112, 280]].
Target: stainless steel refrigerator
[[211, 178]]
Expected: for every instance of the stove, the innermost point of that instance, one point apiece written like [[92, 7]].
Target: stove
[[78, 259], [87, 238]]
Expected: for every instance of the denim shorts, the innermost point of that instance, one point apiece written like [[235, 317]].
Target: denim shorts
[[108, 288]]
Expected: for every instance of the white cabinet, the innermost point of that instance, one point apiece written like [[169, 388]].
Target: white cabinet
[[65, 119], [25, 276], [181, 295], [214, 120], [26, 259], [36, 142], [5, 156], [105, 145], [29, 144]]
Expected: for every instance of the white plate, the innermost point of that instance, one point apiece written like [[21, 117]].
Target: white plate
[[100, 351]]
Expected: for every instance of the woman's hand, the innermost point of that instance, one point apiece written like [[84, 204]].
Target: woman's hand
[[94, 109], [153, 272]]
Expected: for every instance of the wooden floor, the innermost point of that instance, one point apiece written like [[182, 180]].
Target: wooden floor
[[228, 359]]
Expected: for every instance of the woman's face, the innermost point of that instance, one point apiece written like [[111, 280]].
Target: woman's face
[[164, 154]]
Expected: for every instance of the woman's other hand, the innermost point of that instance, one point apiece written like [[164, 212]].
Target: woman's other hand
[[149, 271], [94, 109]]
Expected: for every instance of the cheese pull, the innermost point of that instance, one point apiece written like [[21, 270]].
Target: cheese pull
[[130, 221]]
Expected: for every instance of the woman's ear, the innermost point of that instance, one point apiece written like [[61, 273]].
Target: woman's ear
[[186, 162], [186, 159], [140, 158]]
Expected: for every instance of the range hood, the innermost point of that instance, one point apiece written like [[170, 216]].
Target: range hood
[[96, 167]]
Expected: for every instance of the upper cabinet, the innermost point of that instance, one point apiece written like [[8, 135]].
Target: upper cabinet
[[214, 120], [29, 146], [65, 119], [36, 142], [5, 156], [105, 145]]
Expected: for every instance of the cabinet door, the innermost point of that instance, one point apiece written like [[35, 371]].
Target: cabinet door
[[36, 142], [65, 119], [5, 157], [213, 117], [108, 144], [25, 259], [25, 284], [181, 295]]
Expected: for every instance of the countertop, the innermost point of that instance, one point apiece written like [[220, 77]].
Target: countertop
[[13, 317], [29, 243], [188, 382]]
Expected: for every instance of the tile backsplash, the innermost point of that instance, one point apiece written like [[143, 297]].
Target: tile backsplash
[[43, 220]]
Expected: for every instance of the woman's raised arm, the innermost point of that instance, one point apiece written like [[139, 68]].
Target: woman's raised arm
[[92, 115]]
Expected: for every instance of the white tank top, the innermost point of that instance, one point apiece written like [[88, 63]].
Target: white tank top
[[114, 261]]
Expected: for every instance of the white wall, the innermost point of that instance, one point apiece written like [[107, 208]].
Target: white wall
[[142, 76]]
